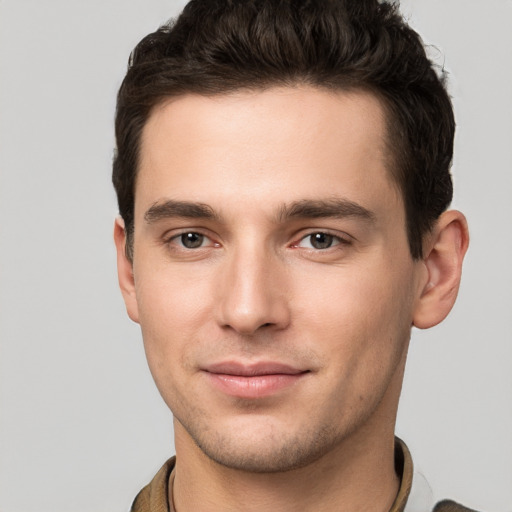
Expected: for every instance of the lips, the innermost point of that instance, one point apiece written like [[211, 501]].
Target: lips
[[252, 381]]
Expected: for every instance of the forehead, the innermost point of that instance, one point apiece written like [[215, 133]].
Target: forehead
[[278, 144]]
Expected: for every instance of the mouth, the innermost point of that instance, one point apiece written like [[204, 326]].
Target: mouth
[[252, 381]]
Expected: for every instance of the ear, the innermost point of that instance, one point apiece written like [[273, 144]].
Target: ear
[[125, 271], [443, 258]]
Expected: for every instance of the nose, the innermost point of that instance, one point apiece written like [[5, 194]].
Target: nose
[[252, 292]]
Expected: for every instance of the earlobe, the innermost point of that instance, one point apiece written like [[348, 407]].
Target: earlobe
[[443, 260], [125, 271]]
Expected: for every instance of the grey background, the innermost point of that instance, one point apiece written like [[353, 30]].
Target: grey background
[[82, 427]]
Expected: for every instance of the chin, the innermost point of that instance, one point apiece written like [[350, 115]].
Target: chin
[[273, 451]]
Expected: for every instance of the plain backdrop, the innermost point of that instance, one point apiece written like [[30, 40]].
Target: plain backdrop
[[82, 427]]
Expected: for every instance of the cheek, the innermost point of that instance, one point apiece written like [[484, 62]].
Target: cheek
[[172, 312], [171, 294], [362, 328], [359, 313]]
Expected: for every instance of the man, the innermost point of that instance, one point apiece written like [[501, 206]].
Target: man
[[282, 172]]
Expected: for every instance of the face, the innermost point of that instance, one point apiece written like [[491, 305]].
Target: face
[[272, 277]]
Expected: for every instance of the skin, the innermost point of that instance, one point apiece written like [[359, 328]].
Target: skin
[[258, 287]]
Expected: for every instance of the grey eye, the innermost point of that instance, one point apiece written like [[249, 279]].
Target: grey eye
[[192, 240], [321, 240]]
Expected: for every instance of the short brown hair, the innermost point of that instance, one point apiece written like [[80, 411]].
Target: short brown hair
[[219, 46]]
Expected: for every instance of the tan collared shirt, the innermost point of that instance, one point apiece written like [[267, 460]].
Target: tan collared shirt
[[155, 496]]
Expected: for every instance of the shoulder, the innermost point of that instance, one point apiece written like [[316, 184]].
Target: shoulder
[[451, 506]]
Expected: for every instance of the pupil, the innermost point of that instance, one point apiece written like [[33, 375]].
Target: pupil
[[321, 240], [192, 240]]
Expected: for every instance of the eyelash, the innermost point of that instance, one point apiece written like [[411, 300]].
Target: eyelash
[[176, 237], [338, 239]]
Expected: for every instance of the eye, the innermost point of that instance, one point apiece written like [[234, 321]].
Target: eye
[[190, 240], [321, 241]]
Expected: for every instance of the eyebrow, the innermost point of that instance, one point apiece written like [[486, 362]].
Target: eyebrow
[[337, 208], [185, 209], [304, 209]]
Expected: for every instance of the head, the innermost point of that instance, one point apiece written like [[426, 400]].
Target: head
[[282, 171]]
